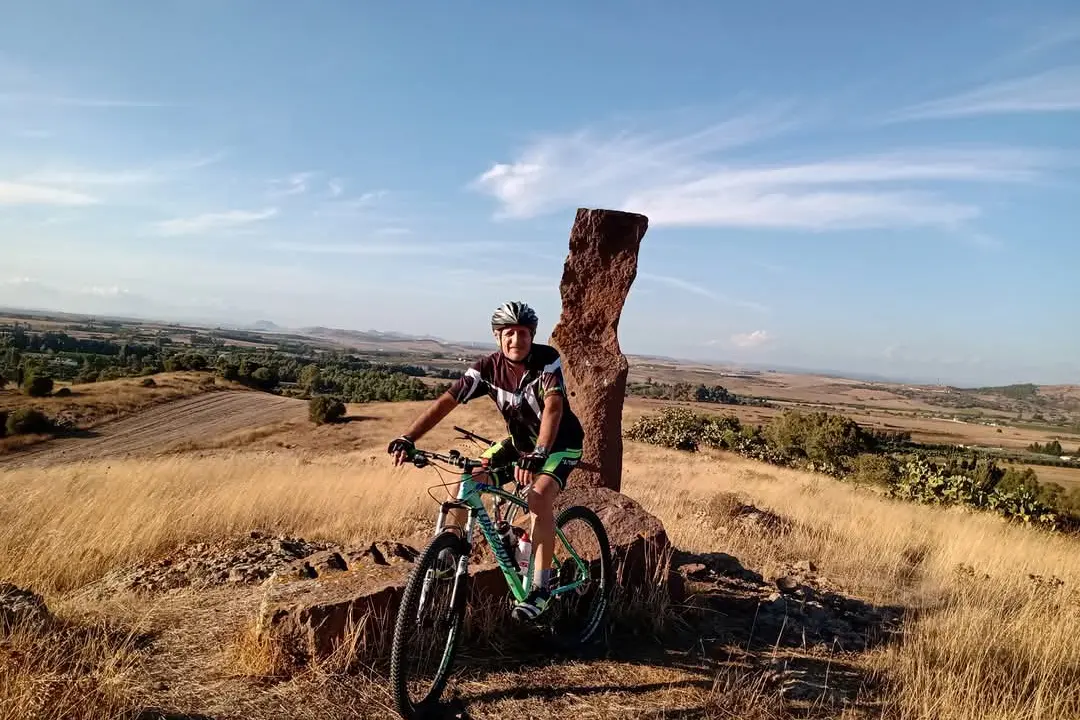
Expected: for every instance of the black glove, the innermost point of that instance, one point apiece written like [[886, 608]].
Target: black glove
[[401, 445], [533, 462]]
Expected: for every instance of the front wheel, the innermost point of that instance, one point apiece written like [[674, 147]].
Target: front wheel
[[582, 558], [428, 627]]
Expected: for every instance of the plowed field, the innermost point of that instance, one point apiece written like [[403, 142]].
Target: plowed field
[[201, 418]]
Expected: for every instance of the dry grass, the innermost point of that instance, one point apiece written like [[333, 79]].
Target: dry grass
[[73, 669], [984, 639]]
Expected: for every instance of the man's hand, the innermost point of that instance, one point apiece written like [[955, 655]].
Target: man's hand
[[528, 466], [401, 448]]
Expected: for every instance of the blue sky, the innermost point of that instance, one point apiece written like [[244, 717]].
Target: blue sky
[[889, 190]]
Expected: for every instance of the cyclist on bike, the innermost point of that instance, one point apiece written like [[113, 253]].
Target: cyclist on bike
[[525, 380]]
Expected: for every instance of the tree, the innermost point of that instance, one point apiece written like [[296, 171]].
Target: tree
[[325, 409], [309, 377], [264, 378]]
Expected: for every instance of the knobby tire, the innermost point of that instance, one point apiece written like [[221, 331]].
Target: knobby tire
[[599, 606], [406, 622]]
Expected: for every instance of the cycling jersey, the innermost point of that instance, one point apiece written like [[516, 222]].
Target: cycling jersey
[[518, 390]]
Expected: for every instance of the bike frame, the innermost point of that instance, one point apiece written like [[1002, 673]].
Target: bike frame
[[470, 497]]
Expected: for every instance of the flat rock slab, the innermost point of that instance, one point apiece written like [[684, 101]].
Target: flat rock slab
[[311, 617]]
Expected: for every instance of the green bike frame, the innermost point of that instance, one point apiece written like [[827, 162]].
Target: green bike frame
[[470, 496]]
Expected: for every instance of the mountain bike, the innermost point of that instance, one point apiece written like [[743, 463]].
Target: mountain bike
[[437, 593]]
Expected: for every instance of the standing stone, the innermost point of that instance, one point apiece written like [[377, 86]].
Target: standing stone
[[597, 275]]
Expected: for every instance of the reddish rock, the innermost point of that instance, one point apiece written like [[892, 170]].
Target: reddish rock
[[310, 617], [637, 538], [597, 275]]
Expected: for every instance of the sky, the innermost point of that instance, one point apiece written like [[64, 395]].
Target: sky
[[888, 189]]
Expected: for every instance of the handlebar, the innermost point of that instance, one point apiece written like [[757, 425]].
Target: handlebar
[[421, 458], [470, 435]]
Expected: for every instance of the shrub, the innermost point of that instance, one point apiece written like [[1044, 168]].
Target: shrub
[[3, 422], [63, 392], [37, 384], [876, 469], [148, 382], [325, 409], [3, 382], [826, 440], [27, 421], [264, 378]]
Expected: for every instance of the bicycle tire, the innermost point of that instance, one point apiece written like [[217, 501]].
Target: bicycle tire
[[601, 601], [406, 622]]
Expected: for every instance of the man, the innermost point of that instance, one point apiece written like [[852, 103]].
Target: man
[[525, 380]]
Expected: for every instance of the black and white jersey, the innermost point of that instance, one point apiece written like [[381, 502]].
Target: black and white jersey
[[518, 390]]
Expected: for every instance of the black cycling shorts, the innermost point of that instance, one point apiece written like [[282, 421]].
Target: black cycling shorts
[[558, 465]]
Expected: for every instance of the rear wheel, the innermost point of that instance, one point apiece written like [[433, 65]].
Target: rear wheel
[[428, 627], [577, 616]]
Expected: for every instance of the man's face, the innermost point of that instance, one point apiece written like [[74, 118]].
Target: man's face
[[515, 341]]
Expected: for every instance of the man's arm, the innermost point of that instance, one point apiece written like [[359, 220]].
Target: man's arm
[[432, 416], [549, 420]]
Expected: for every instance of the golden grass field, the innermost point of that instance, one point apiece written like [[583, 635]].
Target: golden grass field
[[983, 640]]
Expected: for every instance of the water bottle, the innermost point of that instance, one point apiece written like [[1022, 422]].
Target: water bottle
[[523, 552], [506, 535]]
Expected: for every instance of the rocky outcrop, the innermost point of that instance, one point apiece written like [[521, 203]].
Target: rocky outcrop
[[637, 538], [243, 560], [796, 607], [21, 609], [308, 613], [597, 276], [311, 617]]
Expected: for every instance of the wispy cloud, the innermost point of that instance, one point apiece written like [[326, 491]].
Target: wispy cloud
[[385, 248], [28, 194], [695, 289], [211, 222], [295, 184], [348, 206], [1056, 90], [336, 187], [81, 177], [82, 102], [1064, 31], [586, 167], [679, 181], [757, 338]]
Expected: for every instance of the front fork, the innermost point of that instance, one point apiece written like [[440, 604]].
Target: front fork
[[462, 569]]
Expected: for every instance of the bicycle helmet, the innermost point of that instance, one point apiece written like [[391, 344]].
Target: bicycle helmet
[[514, 313]]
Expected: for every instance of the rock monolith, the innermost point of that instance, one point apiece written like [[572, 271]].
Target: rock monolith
[[597, 276]]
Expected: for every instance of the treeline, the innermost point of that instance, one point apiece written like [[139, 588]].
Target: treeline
[[691, 393], [1052, 447], [33, 361], [837, 445]]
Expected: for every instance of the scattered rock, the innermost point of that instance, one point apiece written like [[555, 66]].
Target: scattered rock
[[597, 274], [246, 560], [806, 566], [796, 609], [787, 584], [21, 608]]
